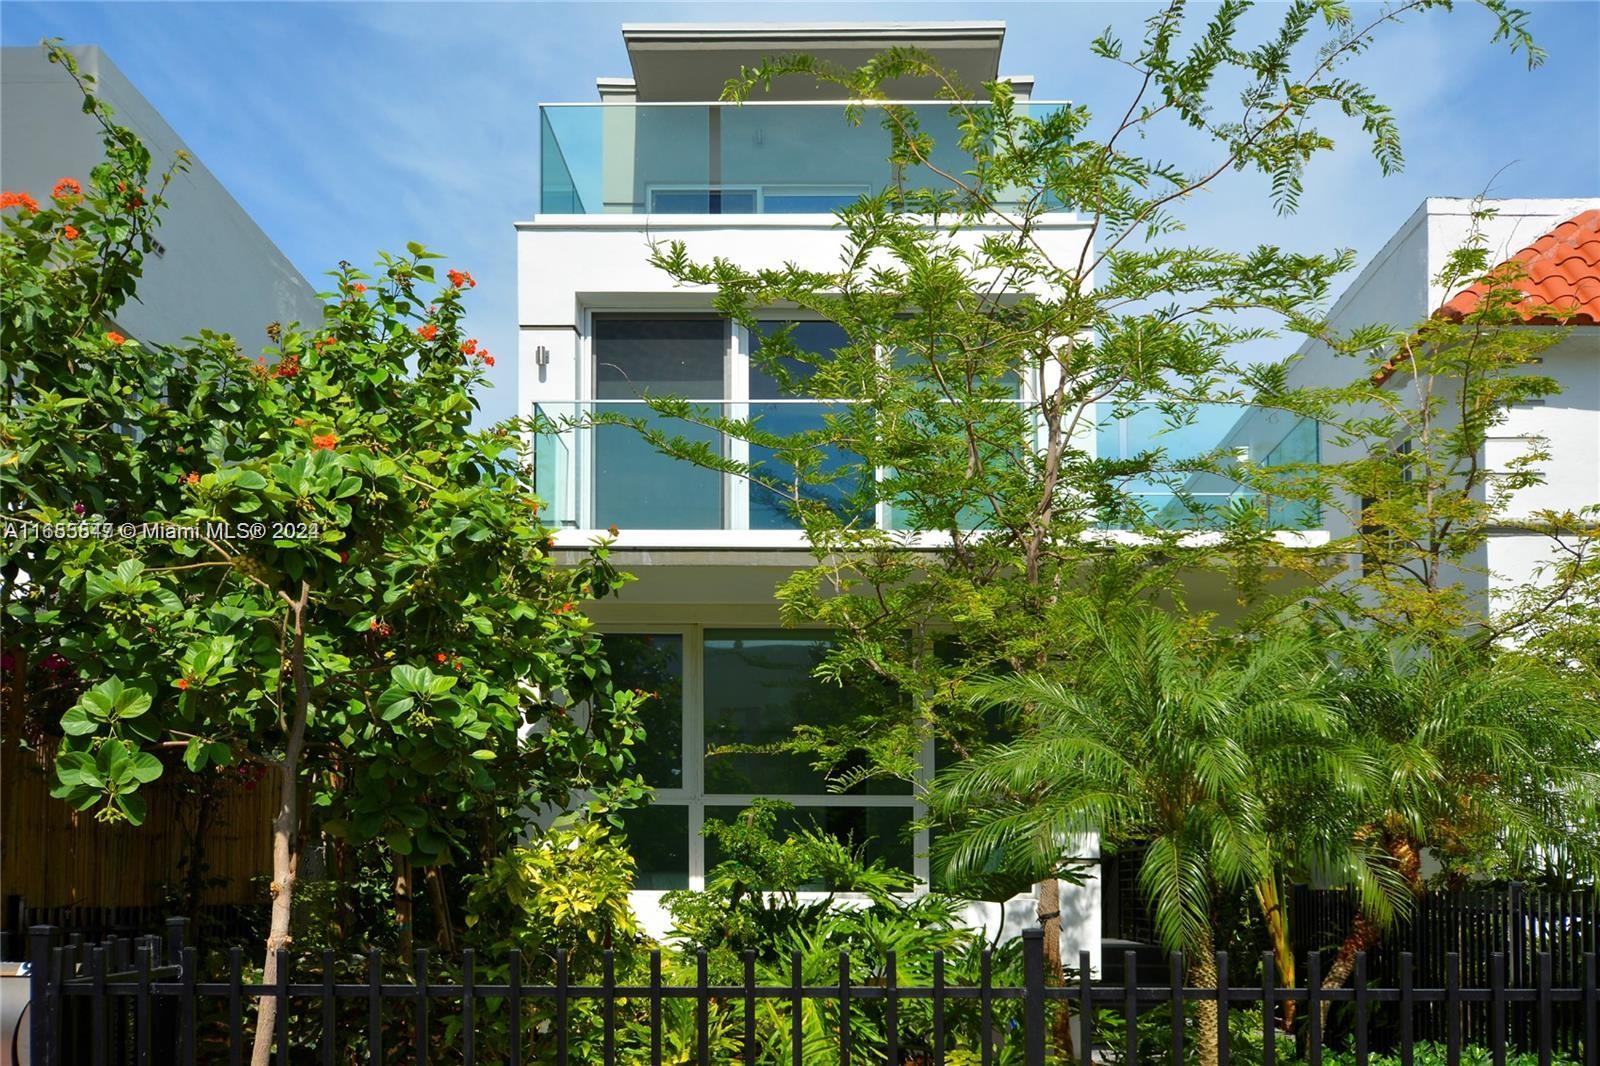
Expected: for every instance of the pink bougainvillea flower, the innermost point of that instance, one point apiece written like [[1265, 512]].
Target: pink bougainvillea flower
[[116, 338], [66, 187], [18, 199], [428, 332]]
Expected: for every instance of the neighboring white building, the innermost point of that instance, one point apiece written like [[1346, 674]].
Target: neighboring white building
[[213, 267], [1558, 241]]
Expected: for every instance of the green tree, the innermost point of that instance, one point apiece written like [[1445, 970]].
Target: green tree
[[1167, 735], [361, 599], [1405, 465], [1485, 760], [1479, 708], [981, 356]]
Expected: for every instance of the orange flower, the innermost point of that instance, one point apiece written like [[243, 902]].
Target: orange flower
[[468, 347], [183, 682], [488, 360], [612, 530], [461, 279], [70, 233], [440, 657], [18, 199], [327, 342], [288, 367], [66, 187], [358, 288], [428, 332], [116, 338], [324, 442], [191, 478]]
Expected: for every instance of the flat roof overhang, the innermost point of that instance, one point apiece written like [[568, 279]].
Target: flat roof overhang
[[694, 61]]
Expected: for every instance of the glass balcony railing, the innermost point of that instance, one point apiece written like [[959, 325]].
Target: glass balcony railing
[[727, 159], [591, 476]]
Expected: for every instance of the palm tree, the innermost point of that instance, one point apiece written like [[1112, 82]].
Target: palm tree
[[1484, 755], [1155, 730]]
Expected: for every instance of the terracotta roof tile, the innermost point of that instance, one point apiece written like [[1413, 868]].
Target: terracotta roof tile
[[1562, 271]]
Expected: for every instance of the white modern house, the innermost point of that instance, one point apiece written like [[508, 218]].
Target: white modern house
[[656, 158]]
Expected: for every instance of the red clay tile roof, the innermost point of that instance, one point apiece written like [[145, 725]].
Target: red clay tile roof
[[1563, 271]]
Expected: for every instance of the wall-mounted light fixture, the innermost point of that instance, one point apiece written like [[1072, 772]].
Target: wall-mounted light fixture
[[541, 356]]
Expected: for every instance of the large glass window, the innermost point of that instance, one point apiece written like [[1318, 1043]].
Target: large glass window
[[876, 833], [653, 663], [635, 485], [658, 837], [779, 412], [758, 688], [714, 689]]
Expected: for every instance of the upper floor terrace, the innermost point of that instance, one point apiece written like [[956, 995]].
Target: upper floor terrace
[[661, 142]]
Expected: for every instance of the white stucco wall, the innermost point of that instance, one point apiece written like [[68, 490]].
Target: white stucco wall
[[217, 270], [1397, 287]]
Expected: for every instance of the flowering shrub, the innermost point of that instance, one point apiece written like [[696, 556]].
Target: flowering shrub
[[342, 531]]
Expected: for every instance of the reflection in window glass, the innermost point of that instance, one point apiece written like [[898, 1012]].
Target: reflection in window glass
[[658, 837], [635, 486], [770, 509], [880, 832], [653, 663], [665, 356], [758, 687]]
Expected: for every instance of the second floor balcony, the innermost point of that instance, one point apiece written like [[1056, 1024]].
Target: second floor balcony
[[593, 474], [756, 158]]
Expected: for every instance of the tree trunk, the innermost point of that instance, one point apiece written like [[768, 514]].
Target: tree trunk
[[1282, 951], [1049, 913], [444, 927], [1203, 974], [1363, 934], [403, 911], [285, 832]]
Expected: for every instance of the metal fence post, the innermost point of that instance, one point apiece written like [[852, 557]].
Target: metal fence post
[[40, 1006], [1033, 997], [177, 937]]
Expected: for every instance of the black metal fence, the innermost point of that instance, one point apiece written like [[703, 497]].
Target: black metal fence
[[138, 1002], [224, 922], [1526, 928]]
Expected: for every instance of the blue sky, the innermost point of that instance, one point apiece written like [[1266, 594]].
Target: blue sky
[[348, 128]]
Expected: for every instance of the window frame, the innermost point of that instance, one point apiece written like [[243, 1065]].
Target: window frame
[[693, 795]]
